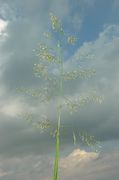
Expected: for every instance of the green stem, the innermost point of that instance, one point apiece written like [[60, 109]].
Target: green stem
[[55, 176], [56, 163]]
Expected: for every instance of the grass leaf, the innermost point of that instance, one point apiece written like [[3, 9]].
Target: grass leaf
[[55, 176]]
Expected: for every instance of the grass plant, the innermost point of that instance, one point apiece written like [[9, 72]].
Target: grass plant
[[50, 59]]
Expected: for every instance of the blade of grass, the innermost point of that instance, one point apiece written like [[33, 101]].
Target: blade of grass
[[55, 175]]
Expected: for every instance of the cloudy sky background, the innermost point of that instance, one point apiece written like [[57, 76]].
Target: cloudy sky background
[[24, 152]]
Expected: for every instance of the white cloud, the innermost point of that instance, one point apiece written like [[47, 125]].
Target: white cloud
[[11, 109], [76, 158], [93, 166], [90, 167], [16, 106], [3, 26]]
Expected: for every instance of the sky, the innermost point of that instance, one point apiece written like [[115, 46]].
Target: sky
[[28, 153]]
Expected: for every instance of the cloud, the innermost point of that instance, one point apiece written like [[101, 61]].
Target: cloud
[[23, 22], [100, 121], [102, 55], [3, 25], [26, 22], [22, 148], [77, 157], [90, 166], [11, 109], [79, 163]]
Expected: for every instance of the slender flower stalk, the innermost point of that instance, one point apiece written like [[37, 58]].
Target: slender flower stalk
[[56, 163], [53, 87]]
